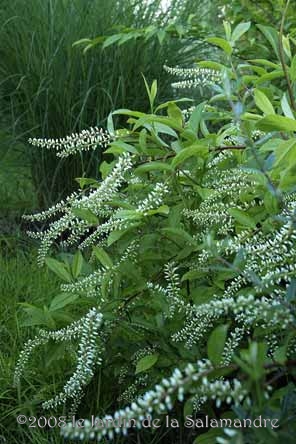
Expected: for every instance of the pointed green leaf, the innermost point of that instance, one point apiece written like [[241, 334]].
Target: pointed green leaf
[[58, 268], [276, 123], [263, 103], [146, 363], [293, 69], [286, 107], [103, 257], [153, 166], [239, 30], [77, 264], [192, 151], [242, 217], [86, 215], [222, 43], [216, 344], [62, 300], [175, 113], [111, 40]]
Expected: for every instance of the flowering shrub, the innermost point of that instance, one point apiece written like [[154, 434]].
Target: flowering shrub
[[186, 254]]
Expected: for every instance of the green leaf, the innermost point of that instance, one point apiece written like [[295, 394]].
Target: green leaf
[[242, 217], [178, 233], [285, 154], [163, 209], [111, 40], [216, 344], [222, 43], [118, 234], [239, 30], [263, 103], [188, 407], [110, 125], [86, 215], [166, 104], [227, 29], [81, 42], [128, 112], [192, 274], [146, 363], [265, 63], [143, 140], [270, 76], [286, 46], [212, 65], [175, 113], [271, 35], [84, 181], [271, 203], [286, 107], [58, 268], [202, 294], [276, 123], [192, 151], [151, 92], [77, 264], [103, 257], [293, 69], [153, 166], [119, 147], [128, 214], [195, 118], [62, 300], [280, 354], [165, 129], [161, 35], [36, 316]]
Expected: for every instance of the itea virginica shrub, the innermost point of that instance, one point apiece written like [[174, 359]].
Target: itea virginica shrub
[[189, 252]]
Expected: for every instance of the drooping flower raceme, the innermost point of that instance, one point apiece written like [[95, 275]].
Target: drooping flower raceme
[[86, 330], [194, 77], [160, 400], [84, 141]]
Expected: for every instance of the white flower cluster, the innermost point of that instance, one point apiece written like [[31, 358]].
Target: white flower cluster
[[235, 338], [70, 333], [160, 400], [90, 285], [88, 357], [52, 211], [95, 202], [154, 199], [132, 392], [232, 135], [224, 190], [103, 230], [187, 112], [270, 257], [246, 311], [108, 187], [193, 77], [85, 140], [173, 289], [66, 334], [219, 158]]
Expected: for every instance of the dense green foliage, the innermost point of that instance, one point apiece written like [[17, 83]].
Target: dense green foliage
[[181, 294]]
